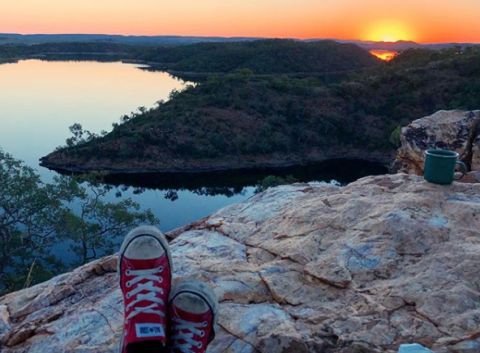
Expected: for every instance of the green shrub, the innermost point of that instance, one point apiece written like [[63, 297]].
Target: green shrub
[[395, 136]]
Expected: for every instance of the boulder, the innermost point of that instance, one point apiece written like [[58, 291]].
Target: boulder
[[472, 177], [454, 130], [314, 267]]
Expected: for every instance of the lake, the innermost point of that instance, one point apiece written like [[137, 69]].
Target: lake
[[40, 99]]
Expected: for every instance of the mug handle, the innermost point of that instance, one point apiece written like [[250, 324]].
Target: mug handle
[[463, 169]]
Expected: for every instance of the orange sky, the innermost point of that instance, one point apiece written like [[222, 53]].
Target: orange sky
[[419, 20]]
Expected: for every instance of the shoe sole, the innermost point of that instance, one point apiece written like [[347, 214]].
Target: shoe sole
[[139, 232], [198, 288]]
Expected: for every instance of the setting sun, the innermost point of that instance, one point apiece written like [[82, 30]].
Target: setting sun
[[388, 31]]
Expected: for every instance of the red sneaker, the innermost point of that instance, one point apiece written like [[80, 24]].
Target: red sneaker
[[192, 317], [144, 266]]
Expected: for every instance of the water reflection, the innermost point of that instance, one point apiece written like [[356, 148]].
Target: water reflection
[[233, 183], [41, 99], [386, 55]]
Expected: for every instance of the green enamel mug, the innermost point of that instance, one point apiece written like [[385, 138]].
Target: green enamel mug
[[440, 166]]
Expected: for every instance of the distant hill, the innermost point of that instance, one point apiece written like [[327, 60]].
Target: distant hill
[[29, 39], [396, 46], [271, 56], [67, 51], [400, 45], [262, 57]]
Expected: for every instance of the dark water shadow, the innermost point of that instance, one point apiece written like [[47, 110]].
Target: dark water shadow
[[231, 183]]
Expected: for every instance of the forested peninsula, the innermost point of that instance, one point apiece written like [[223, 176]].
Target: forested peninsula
[[276, 103]]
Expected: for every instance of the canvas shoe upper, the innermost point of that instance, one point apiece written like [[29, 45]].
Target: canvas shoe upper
[[192, 315], [144, 268]]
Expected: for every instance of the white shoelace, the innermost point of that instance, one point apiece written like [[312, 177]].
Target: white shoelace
[[149, 288], [192, 328]]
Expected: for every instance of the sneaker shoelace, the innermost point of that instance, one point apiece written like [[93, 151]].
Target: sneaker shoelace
[[150, 290], [185, 331]]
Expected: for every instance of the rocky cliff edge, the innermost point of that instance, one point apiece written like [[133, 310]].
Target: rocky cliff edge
[[300, 268]]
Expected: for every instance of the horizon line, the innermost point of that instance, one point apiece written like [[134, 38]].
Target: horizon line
[[231, 37]]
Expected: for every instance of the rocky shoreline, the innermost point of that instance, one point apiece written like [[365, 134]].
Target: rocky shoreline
[[66, 164], [300, 268]]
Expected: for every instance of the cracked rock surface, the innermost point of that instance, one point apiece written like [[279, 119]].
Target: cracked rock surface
[[300, 268], [454, 130]]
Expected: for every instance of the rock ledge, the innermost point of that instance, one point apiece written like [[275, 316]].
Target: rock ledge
[[447, 129], [301, 268]]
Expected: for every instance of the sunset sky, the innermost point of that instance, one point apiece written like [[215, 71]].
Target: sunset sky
[[419, 20]]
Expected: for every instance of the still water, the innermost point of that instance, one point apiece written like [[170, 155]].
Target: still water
[[39, 100]]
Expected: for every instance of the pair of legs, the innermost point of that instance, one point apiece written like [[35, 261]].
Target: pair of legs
[[158, 317]]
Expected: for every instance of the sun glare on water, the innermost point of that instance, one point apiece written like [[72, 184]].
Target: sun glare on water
[[386, 55]]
